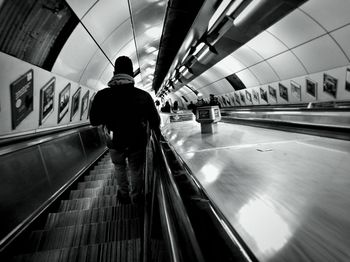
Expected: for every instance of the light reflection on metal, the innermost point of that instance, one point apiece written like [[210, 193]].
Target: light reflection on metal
[[209, 173], [247, 12], [264, 225]]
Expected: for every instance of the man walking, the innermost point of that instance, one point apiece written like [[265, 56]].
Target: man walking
[[125, 111]]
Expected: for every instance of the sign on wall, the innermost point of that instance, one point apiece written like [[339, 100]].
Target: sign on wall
[[84, 104], [21, 98], [311, 87], [47, 94], [75, 103], [63, 102], [330, 85]]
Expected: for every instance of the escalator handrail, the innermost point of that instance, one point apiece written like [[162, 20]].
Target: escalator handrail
[[168, 186], [226, 226]]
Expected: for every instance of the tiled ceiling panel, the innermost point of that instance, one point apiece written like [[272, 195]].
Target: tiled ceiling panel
[[296, 28], [118, 39], [246, 56], [342, 36], [94, 70], [286, 65], [266, 45], [248, 79], [104, 17], [227, 66], [81, 7], [331, 14], [264, 73], [321, 54], [75, 56]]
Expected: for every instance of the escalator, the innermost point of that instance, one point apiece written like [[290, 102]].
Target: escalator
[[87, 222], [91, 225]]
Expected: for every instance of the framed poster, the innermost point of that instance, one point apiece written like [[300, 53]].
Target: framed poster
[[311, 87], [238, 101], [21, 98], [295, 90], [283, 91], [256, 96], [330, 85], [248, 95], [272, 92], [242, 97], [84, 104], [47, 94], [263, 95], [63, 102], [90, 103], [228, 100], [347, 80], [75, 103]]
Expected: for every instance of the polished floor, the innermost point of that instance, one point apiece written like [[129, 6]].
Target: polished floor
[[286, 194]]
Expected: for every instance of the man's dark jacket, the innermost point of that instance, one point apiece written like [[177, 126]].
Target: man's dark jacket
[[125, 110]]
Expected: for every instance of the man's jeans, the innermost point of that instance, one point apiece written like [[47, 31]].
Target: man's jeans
[[126, 162]]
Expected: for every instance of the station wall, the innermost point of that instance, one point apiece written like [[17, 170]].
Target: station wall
[[32, 99]]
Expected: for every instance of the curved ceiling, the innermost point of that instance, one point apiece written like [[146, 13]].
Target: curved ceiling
[[276, 40]]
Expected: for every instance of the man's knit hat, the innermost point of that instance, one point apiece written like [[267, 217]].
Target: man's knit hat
[[123, 65]]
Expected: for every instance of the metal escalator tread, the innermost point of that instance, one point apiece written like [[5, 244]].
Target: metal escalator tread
[[92, 225], [120, 251]]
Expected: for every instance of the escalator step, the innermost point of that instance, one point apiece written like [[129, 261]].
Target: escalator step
[[81, 235], [95, 215], [97, 183], [88, 203], [93, 192], [98, 177], [121, 251]]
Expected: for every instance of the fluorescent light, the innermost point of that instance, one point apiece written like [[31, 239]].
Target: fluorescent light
[[151, 49], [218, 12], [203, 54], [247, 11], [182, 69], [233, 7], [198, 48]]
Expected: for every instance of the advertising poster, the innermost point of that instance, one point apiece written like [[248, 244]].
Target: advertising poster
[[256, 96], [75, 103], [347, 80], [63, 102], [248, 95], [311, 87], [84, 104], [295, 90], [283, 91], [238, 101], [21, 98], [228, 100], [272, 92], [47, 94], [330, 85], [242, 97], [263, 95], [90, 103]]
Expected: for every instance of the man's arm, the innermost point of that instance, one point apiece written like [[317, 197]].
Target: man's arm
[[96, 110]]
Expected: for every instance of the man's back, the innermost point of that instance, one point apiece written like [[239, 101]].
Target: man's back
[[125, 110]]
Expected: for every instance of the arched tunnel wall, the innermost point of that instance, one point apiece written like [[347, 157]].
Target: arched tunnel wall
[[33, 99]]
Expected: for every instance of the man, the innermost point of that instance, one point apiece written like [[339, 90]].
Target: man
[[214, 101], [125, 111]]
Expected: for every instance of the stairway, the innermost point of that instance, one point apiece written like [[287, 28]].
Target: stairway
[[92, 225]]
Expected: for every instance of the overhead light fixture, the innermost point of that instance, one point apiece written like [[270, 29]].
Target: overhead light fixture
[[218, 12], [247, 12], [234, 7], [226, 8]]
